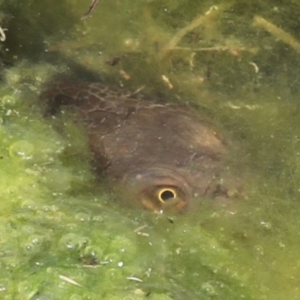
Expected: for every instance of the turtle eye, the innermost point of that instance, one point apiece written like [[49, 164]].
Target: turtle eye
[[166, 194]]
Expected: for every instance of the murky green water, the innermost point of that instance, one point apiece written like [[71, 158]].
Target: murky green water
[[64, 237]]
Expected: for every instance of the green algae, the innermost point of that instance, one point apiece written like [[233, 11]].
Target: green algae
[[62, 237]]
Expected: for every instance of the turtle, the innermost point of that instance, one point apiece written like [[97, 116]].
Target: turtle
[[162, 155]]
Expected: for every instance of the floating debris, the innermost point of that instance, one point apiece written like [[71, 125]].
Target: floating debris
[[139, 232], [167, 81], [2, 34], [255, 66]]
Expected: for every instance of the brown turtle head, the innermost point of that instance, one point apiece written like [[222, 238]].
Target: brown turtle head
[[163, 154]]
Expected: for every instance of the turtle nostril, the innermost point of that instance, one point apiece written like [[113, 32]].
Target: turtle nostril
[[166, 194]]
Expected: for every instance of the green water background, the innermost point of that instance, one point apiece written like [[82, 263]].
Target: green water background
[[63, 237]]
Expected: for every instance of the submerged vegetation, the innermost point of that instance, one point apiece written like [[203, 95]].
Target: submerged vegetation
[[64, 237]]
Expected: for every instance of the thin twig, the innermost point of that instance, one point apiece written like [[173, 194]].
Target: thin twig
[[134, 279], [217, 49], [277, 32], [91, 8], [200, 20], [69, 280]]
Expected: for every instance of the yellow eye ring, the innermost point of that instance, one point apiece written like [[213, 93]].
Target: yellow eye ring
[[166, 194]]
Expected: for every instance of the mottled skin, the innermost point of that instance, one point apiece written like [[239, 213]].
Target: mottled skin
[[162, 154]]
